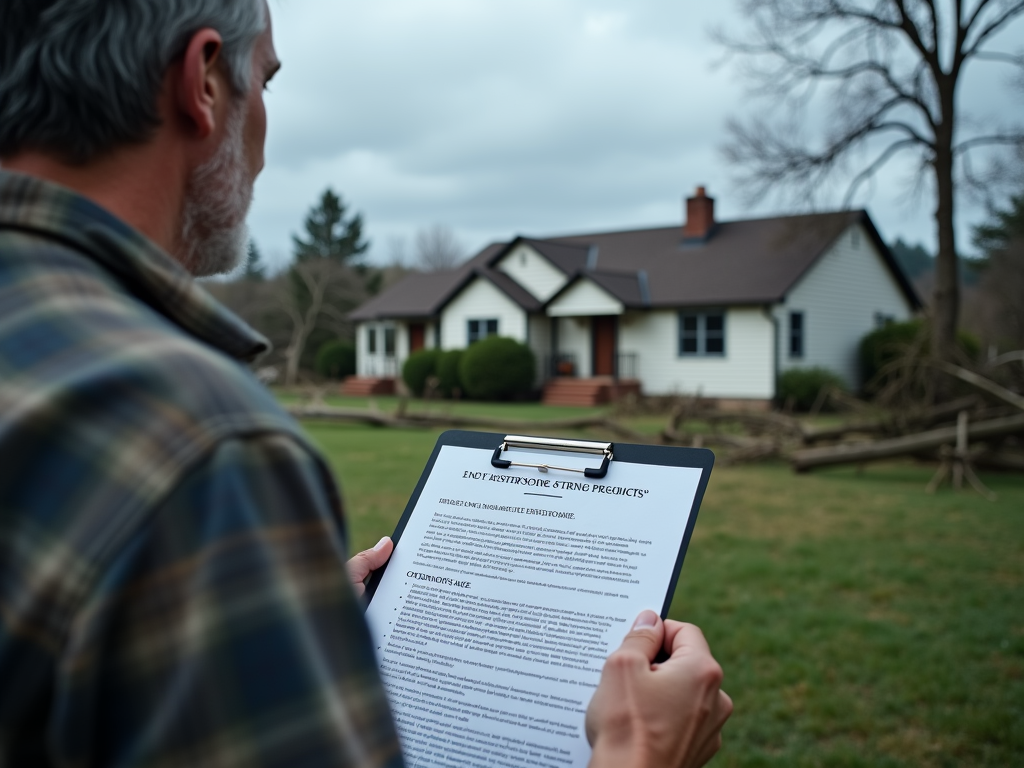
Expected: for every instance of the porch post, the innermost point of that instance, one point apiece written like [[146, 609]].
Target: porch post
[[553, 357]]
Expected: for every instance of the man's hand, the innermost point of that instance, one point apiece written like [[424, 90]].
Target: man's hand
[[368, 561], [669, 714]]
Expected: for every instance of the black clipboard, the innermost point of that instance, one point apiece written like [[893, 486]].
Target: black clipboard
[[496, 443]]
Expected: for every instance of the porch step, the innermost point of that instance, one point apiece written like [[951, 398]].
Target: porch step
[[597, 390], [364, 386]]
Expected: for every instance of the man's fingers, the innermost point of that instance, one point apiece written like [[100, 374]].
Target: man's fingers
[[647, 635], [713, 742], [684, 638]]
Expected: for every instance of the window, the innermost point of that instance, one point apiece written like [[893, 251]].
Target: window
[[702, 333], [389, 342], [481, 329], [371, 340], [882, 319], [796, 334]]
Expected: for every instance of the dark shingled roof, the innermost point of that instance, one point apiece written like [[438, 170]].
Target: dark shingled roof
[[512, 289], [627, 287], [568, 258], [423, 294], [756, 261]]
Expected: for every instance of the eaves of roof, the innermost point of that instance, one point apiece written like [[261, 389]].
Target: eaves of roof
[[749, 262]]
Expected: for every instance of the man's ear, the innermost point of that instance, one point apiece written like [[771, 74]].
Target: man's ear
[[201, 87]]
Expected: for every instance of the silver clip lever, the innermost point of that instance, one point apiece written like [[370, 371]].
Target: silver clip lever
[[549, 444]]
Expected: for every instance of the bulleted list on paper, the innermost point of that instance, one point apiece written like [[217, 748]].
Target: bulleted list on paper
[[505, 594]]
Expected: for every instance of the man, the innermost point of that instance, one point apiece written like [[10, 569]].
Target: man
[[173, 589]]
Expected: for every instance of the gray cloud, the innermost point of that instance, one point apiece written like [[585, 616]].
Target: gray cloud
[[502, 117]]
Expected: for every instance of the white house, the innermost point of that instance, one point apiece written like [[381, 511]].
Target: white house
[[719, 308]]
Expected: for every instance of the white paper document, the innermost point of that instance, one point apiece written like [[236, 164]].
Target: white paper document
[[506, 592]]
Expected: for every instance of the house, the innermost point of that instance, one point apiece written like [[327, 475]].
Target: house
[[719, 308]]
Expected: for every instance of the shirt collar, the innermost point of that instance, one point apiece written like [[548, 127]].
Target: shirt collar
[[147, 272]]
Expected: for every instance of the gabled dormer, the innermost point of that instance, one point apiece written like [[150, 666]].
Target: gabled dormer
[[542, 268]]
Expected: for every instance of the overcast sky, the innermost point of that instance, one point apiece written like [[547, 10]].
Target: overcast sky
[[537, 117]]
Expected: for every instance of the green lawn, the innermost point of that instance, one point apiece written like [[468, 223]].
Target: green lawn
[[860, 622]]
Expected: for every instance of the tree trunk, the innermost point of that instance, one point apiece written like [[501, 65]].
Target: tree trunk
[[908, 445], [946, 308], [293, 354]]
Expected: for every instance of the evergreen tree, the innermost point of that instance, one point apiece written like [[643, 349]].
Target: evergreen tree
[[1001, 242], [329, 234], [254, 268], [1004, 226]]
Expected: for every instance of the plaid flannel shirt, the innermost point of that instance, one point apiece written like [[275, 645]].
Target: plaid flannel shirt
[[173, 588]]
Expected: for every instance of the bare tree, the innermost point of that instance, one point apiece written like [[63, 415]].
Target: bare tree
[[888, 73], [315, 294], [437, 248]]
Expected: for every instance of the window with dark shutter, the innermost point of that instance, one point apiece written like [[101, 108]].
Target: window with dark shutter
[[702, 334], [480, 329], [796, 334]]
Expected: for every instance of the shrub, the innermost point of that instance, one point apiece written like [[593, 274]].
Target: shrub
[[448, 371], [418, 367], [335, 359], [892, 341], [497, 368], [803, 385]]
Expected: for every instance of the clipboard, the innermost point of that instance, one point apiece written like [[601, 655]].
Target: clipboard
[[499, 445]]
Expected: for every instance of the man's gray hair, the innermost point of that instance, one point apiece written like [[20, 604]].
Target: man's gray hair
[[81, 77]]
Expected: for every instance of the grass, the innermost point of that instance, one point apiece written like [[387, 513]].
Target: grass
[[860, 622]]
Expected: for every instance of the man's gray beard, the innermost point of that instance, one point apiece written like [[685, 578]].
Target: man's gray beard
[[217, 199]]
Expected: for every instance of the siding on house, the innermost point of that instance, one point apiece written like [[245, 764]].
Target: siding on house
[[585, 298], [840, 297], [744, 372], [532, 271], [480, 300], [380, 364]]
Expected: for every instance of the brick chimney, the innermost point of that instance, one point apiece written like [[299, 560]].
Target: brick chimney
[[700, 216]]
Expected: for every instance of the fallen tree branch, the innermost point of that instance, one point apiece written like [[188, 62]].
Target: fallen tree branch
[[357, 415], [714, 439], [427, 420], [981, 383], [921, 420], [776, 422], [856, 453]]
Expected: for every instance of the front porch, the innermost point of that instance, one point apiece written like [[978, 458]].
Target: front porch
[[595, 390], [367, 386], [582, 343]]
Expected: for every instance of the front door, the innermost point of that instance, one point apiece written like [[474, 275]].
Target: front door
[[416, 337], [602, 332]]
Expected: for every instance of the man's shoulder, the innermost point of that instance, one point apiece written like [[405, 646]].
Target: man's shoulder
[[106, 404], [71, 328]]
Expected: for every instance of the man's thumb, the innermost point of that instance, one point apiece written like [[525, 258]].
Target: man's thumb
[[646, 636]]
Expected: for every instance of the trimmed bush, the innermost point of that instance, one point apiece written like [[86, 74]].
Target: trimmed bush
[[335, 359], [803, 385], [418, 367], [497, 368], [448, 371], [894, 340]]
